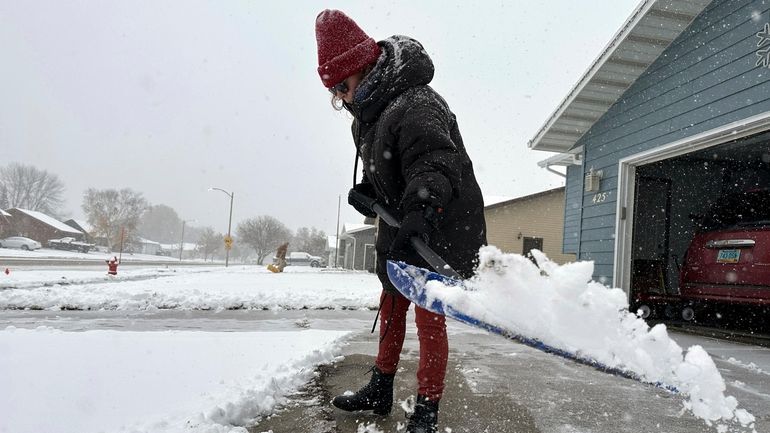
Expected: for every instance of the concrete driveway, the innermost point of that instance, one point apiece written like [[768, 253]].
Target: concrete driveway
[[494, 385]]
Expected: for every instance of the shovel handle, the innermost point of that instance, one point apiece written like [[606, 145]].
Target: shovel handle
[[434, 260]]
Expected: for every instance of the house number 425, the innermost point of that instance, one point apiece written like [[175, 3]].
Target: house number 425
[[600, 197]]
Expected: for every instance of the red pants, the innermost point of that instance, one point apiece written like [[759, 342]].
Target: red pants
[[434, 348]]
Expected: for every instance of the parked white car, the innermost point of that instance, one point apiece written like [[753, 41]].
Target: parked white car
[[20, 242], [304, 259]]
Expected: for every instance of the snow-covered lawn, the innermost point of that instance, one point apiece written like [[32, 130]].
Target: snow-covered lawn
[[249, 287], [167, 381], [173, 381]]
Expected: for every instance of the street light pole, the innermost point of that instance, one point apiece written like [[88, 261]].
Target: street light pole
[[181, 241], [229, 221], [229, 225], [337, 237]]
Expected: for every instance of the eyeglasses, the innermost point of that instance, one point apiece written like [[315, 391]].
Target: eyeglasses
[[341, 87]]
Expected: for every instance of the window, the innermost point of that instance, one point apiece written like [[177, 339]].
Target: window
[[531, 243]]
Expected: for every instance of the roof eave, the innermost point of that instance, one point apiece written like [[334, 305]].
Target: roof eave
[[585, 108]]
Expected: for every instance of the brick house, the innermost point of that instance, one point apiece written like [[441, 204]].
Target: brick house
[[39, 226]]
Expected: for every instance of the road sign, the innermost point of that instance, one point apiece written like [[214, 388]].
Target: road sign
[[228, 242]]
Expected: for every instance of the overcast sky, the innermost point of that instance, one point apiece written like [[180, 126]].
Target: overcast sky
[[171, 97]]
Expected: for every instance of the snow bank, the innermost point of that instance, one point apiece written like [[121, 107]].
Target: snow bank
[[245, 287], [160, 382], [48, 277], [562, 307]]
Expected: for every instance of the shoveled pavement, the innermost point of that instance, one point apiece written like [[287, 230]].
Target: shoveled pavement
[[495, 385]]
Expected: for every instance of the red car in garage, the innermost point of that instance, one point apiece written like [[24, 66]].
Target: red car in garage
[[728, 260]]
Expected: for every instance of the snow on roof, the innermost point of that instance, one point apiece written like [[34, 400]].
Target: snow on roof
[[146, 241], [353, 228], [51, 221], [490, 200], [524, 197], [188, 246], [84, 225], [4, 213]]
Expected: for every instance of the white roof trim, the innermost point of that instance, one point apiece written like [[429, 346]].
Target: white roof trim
[[646, 34], [573, 157], [355, 228]]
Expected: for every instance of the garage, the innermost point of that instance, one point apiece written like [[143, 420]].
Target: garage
[[674, 198], [676, 192], [670, 122]]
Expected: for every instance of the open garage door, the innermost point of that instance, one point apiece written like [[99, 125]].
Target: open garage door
[[670, 197], [698, 223]]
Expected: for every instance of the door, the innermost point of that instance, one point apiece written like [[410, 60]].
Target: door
[[651, 235]]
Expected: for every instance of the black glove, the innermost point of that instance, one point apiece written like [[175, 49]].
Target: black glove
[[366, 189], [414, 224]]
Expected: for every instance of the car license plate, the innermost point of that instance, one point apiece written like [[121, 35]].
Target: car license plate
[[728, 256]]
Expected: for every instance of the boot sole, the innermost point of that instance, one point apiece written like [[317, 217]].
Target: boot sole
[[382, 411]]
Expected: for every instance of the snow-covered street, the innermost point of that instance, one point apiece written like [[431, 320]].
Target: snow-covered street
[[215, 349]]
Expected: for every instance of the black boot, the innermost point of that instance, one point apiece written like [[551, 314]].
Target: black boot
[[425, 416], [377, 395]]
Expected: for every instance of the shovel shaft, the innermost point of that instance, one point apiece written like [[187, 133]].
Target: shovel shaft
[[434, 260]]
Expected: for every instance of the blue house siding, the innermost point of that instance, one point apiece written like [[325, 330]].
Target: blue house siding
[[705, 79], [572, 210]]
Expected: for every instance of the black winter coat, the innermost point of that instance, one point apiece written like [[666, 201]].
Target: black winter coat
[[414, 156]]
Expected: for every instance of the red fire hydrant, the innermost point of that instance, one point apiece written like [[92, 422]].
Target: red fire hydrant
[[112, 266]]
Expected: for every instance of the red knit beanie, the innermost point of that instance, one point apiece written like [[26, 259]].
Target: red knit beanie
[[343, 48]]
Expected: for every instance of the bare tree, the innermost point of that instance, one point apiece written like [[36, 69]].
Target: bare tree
[[110, 210], [311, 240], [210, 242], [263, 234], [28, 187]]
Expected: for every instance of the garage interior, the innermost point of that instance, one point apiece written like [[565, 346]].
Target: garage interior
[[669, 194]]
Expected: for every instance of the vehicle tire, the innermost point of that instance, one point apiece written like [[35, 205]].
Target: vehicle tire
[[25, 248], [688, 314], [315, 264], [645, 311]]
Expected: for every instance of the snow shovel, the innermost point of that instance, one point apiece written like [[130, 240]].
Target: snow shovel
[[410, 281]]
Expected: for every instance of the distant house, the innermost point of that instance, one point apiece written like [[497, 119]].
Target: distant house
[[146, 246], [357, 247], [331, 246], [5, 223], [190, 250], [83, 226], [531, 222], [41, 227]]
